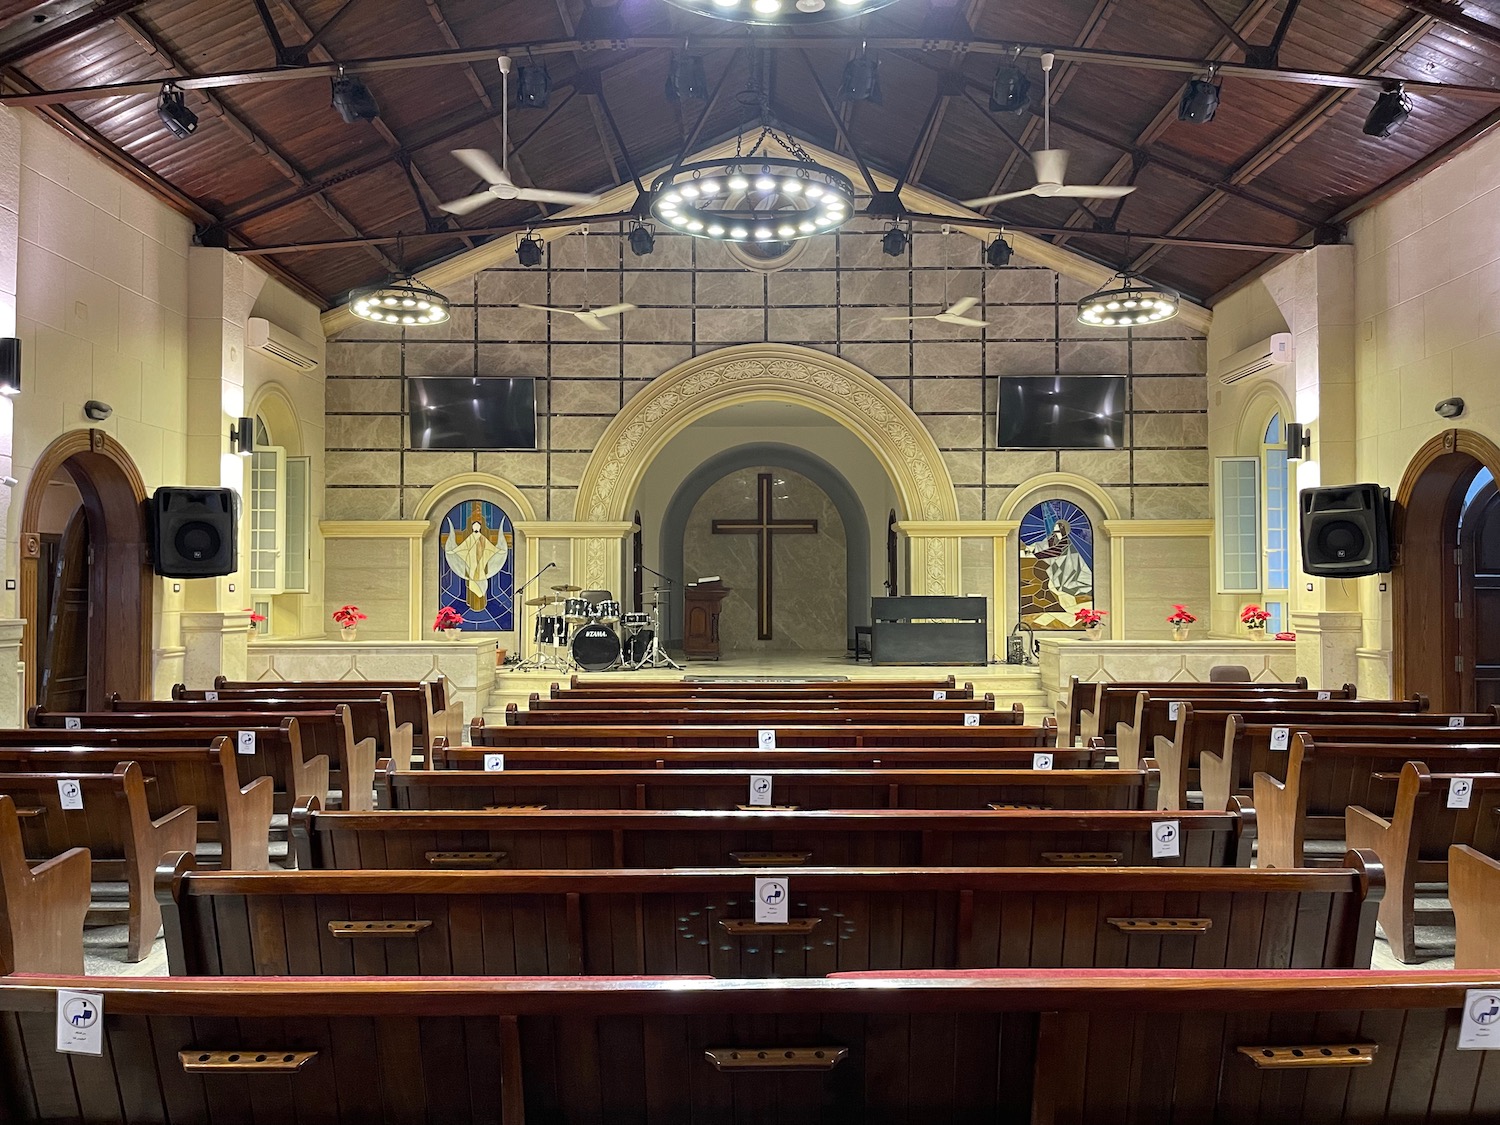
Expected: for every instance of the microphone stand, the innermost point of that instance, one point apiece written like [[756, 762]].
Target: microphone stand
[[655, 656], [536, 659]]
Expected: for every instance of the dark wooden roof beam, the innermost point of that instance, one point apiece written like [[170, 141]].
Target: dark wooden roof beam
[[930, 126], [1454, 15], [569, 28], [56, 23], [1230, 31], [840, 125]]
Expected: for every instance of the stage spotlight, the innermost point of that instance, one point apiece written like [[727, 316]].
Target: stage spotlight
[[533, 86], [174, 113], [1392, 107], [642, 241], [895, 242], [1011, 91], [997, 254], [685, 78], [861, 81], [1200, 101], [353, 100], [529, 250]]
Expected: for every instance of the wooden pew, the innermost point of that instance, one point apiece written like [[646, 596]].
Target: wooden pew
[[854, 692], [1012, 1046], [762, 716], [325, 732], [42, 908], [278, 752], [1414, 841], [1078, 710], [749, 757], [430, 706], [1116, 703], [840, 688], [811, 736], [635, 838], [441, 923], [373, 718], [569, 701], [1325, 778], [115, 826], [798, 788], [1474, 890], [238, 817]]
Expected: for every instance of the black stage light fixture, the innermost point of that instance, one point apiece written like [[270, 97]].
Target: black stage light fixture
[[180, 121], [533, 86], [1200, 101], [353, 100], [861, 82], [685, 78], [1391, 109], [529, 250], [895, 242], [1011, 91], [642, 240], [997, 254]]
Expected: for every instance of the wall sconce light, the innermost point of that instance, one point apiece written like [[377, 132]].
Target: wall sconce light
[[242, 436], [1298, 441], [10, 365]]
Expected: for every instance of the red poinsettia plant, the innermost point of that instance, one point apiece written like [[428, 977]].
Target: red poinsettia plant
[[1090, 618], [347, 617], [447, 618], [255, 618], [1254, 617], [1180, 616]]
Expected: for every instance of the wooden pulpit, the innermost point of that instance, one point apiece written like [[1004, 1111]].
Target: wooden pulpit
[[700, 631]]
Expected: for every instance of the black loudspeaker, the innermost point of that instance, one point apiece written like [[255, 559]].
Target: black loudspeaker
[[1346, 532], [194, 532]]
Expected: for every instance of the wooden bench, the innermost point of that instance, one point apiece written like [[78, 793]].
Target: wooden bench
[[114, 825], [842, 689], [749, 757], [1414, 841], [799, 788], [1474, 890], [430, 706], [42, 908], [1080, 712], [1116, 703], [862, 838], [811, 736], [237, 816], [1012, 1046], [373, 718], [436, 923], [325, 732], [765, 715], [569, 701], [1324, 778]]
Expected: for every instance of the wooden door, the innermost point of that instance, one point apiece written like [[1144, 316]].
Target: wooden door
[[1479, 598], [64, 679]]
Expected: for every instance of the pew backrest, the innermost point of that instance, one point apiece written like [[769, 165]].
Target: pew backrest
[[1474, 890], [761, 716], [42, 907], [750, 735], [876, 757]]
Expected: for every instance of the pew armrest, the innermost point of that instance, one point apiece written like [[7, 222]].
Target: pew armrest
[[42, 911], [1474, 890], [1363, 829], [403, 746], [359, 776], [1281, 830], [245, 829], [1216, 776], [313, 779]]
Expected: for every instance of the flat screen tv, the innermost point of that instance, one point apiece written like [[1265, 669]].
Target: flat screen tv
[[1062, 412], [489, 412]]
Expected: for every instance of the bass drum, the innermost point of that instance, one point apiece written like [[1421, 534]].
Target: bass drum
[[596, 648]]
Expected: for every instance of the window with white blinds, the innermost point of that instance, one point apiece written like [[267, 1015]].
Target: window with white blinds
[[296, 524], [267, 519], [1239, 525]]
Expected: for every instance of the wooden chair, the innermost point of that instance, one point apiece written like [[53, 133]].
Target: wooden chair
[[42, 908], [1474, 890]]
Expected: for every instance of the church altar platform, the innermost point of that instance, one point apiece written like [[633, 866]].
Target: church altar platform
[[1187, 661]]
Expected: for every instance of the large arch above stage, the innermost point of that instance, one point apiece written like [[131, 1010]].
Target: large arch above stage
[[772, 373]]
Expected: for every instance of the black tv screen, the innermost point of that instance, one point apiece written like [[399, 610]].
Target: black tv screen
[[1062, 412], [483, 413]]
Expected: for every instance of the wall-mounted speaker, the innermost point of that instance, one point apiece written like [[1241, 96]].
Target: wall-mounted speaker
[[194, 532], [1346, 531]]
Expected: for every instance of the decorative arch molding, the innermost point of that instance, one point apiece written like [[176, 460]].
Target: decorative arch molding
[[1266, 398], [1024, 496], [272, 402], [114, 495], [446, 489]]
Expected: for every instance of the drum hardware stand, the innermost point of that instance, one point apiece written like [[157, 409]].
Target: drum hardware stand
[[537, 659], [656, 656]]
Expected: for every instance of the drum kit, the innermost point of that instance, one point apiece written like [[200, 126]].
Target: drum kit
[[588, 629]]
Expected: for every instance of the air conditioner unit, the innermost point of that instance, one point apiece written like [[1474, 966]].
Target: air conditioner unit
[[1274, 351], [276, 342]]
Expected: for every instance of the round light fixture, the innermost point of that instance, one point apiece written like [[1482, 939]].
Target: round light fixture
[[752, 199], [1131, 302], [403, 301], [787, 13]]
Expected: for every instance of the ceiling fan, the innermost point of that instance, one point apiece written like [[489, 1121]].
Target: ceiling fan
[[952, 313], [1051, 164], [497, 176], [591, 318]]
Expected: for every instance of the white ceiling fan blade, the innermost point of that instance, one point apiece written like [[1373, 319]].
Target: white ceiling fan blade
[[613, 310], [469, 203], [966, 321], [545, 308], [988, 199], [1097, 191], [928, 317], [589, 320], [961, 306], [482, 164], [543, 195], [1051, 165]]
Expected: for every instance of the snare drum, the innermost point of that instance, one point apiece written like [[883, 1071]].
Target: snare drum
[[551, 630], [607, 611], [595, 647], [575, 611], [634, 621]]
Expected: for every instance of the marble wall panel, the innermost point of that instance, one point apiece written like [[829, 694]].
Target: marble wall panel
[[955, 358], [947, 396], [585, 361], [734, 289], [801, 325], [362, 396], [658, 287], [1183, 394], [802, 287], [647, 361], [513, 359], [1102, 466], [1170, 466], [586, 396]]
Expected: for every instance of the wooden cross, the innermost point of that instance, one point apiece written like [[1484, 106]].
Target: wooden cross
[[764, 527]]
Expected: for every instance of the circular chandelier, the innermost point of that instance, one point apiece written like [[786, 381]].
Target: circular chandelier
[[787, 13], [1131, 302], [402, 301], [753, 199]]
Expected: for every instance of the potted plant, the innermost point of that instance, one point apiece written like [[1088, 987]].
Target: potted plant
[[347, 619], [448, 622], [1092, 621], [255, 620], [1254, 618], [1180, 621]]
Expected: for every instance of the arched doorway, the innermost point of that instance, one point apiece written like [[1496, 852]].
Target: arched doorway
[[1429, 628], [115, 569], [1479, 593]]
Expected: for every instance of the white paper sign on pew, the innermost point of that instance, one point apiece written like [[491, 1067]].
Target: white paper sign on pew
[[760, 789], [939, 694], [1173, 710], [1041, 761], [494, 763], [1460, 792], [69, 793], [245, 739], [80, 1022], [1281, 738], [1166, 839], [1455, 722], [211, 696], [72, 722], [971, 718], [771, 895], [1325, 695], [768, 740], [1481, 1026]]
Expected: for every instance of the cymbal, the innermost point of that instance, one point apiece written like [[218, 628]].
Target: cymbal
[[544, 599], [567, 589]]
